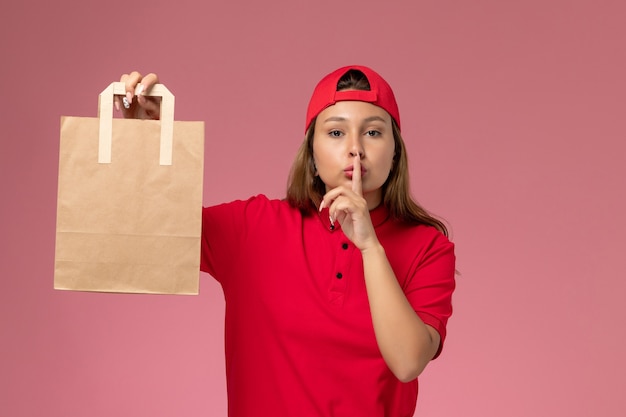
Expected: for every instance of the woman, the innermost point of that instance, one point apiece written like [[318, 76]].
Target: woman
[[338, 296]]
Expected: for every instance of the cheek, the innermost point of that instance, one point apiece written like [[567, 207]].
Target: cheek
[[323, 156], [386, 159], [392, 162]]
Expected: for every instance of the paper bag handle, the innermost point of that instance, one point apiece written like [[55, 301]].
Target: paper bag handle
[[105, 114]]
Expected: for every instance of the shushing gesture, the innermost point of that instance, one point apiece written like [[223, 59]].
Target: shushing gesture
[[348, 207], [353, 151]]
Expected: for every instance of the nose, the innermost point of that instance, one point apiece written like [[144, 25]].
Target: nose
[[355, 147]]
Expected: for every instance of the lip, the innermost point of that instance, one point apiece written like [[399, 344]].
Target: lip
[[350, 169]]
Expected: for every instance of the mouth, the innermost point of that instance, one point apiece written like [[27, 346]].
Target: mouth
[[350, 170]]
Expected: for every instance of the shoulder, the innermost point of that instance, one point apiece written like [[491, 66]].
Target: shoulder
[[253, 208], [253, 201], [417, 246], [415, 236]]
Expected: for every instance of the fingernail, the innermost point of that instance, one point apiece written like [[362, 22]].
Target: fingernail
[[332, 222], [129, 97], [139, 89], [117, 105], [321, 205]]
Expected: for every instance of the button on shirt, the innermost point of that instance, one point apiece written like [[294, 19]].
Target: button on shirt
[[299, 339]]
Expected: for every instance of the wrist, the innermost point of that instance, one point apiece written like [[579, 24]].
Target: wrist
[[374, 249]]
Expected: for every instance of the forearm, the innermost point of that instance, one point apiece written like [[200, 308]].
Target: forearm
[[406, 343]]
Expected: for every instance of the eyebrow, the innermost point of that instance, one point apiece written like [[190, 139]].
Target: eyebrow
[[366, 120]]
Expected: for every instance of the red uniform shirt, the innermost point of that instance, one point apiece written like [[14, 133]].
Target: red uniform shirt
[[299, 335]]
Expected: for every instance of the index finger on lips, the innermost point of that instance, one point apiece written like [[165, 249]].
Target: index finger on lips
[[357, 185]]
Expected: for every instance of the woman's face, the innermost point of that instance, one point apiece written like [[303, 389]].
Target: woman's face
[[347, 129]]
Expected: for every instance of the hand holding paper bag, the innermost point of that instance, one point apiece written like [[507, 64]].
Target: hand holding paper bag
[[137, 101], [129, 201]]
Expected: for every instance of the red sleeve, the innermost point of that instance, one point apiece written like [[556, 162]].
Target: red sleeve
[[223, 230], [432, 283]]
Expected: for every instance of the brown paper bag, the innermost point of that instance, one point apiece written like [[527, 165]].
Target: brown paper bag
[[129, 201]]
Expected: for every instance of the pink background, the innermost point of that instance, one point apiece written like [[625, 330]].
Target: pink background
[[513, 112]]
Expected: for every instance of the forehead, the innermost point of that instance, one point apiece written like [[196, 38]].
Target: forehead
[[353, 111]]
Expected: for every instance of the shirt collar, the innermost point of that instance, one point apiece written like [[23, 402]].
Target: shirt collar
[[378, 215]]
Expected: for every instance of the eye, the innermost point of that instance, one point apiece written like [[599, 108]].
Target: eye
[[335, 133], [372, 133]]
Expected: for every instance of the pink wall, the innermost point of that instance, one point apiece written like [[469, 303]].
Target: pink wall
[[514, 115]]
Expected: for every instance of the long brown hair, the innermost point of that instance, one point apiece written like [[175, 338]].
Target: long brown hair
[[305, 190]]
